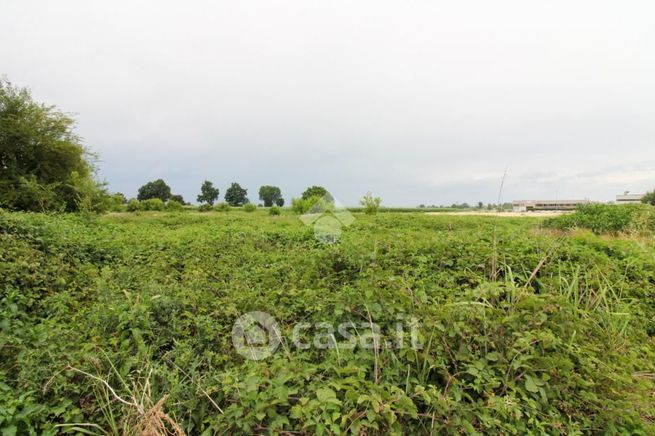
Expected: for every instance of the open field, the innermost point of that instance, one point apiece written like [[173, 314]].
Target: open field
[[540, 214], [519, 329]]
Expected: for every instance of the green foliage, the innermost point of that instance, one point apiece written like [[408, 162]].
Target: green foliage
[[371, 204], [236, 195], [178, 198], [208, 194], [174, 206], [204, 208], [43, 164], [311, 205], [155, 189], [603, 218], [317, 191], [147, 302], [279, 202], [134, 205], [222, 207], [270, 195], [649, 198], [153, 204], [274, 210], [249, 207]]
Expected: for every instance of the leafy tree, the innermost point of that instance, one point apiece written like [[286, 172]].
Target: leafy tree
[[208, 194], [236, 195], [269, 195], [178, 198], [649, 198], [155, 189], [43, 164], [371, 204], [317, 191], [279, 202]]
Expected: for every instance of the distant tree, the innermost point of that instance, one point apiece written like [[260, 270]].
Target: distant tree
[[119, 198], [43, 164], [317, 191], [480, 205], [208, 194], [371, 204], [269, 195], [178, 198], [236, 195], [649, 198], [155, 189], [279, 202]]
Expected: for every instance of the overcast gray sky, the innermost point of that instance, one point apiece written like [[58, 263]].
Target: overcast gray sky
[[416, 101]]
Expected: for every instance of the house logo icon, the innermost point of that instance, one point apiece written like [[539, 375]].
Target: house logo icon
[[327, 217]]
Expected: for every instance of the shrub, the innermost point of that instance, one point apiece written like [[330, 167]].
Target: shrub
[[249, 207], [222, 207], [134, 205], [607, 218], [175, 206], [649, 198], [274, 210], [371, 204], [204, 208], [153, 204], [311, 205]]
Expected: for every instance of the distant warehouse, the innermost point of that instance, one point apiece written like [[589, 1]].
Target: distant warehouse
[[628, 198], [536, 205]]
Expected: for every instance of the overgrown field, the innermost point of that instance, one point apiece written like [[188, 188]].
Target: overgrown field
[[523, 329]]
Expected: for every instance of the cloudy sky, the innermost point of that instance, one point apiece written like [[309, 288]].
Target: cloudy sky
[[417, 101]]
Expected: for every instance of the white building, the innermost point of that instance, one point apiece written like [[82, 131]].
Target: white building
[[535, 205], [628, 198]]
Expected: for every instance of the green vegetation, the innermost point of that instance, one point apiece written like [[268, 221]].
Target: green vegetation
[[371, 204], [208, 194], [270, 195], [156, 189], [523, 330], [649, 198], [603, 218], [43, 164], [317, 192], [236, 195]]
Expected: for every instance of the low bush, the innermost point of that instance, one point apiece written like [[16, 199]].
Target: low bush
[[153, 204], [174, 206], [249, 207], [607, 218], [222, 207], [274, 210], [134, 205], [205, 208]]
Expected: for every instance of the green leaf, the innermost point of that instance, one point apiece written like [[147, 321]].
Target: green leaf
[[530, 385]]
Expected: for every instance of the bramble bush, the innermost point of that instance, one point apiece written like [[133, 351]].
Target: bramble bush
[[604, 218], [523, 331]]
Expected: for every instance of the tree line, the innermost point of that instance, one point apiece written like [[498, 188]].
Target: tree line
[[235, 195], [45, 167]]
